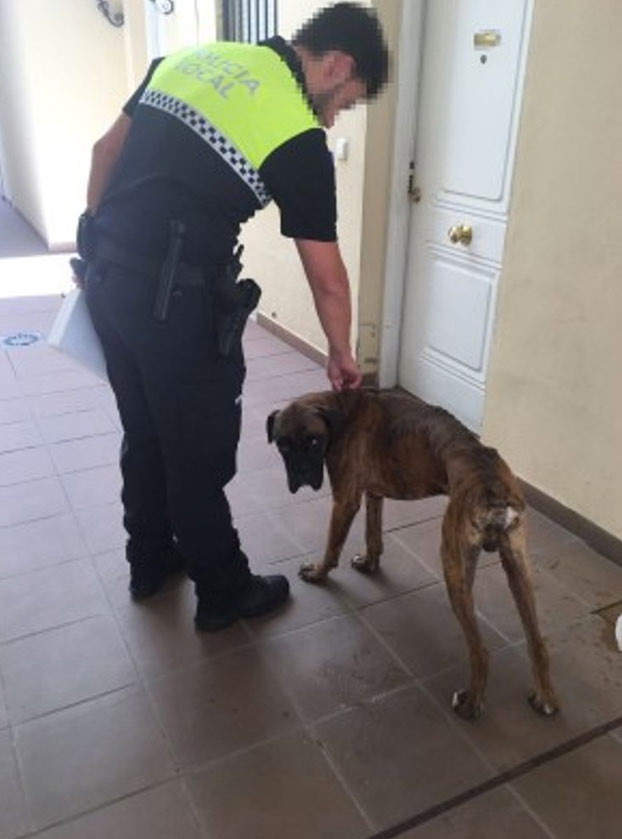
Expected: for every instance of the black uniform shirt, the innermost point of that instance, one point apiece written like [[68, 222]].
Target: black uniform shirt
[[165, 171]]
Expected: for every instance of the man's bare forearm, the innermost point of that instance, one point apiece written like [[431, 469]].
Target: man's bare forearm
[[329, 285], [104, 157]]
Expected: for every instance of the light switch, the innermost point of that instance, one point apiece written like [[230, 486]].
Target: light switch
[[341, 148]]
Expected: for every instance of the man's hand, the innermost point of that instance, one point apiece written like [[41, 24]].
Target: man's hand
[[343, 372], [78, 267]]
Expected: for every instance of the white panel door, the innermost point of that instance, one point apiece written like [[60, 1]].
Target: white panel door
[[469, 101]]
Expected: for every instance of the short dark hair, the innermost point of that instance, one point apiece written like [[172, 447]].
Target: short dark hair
[[352, 29]]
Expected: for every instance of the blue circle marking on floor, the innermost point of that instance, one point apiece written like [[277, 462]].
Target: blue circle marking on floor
[[20, 339]]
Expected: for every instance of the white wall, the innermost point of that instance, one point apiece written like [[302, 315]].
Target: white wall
[[64, 81]]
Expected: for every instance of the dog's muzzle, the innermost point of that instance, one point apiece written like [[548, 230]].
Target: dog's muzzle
[[297, 478]]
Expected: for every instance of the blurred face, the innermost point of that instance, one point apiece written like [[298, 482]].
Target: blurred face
[[341, 97], [332, 83]]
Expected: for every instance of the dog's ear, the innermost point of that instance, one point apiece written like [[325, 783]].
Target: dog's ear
[[333, 419], [270, 425]]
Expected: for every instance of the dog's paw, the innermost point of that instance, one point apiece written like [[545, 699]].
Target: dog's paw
[[464, 704], [547, 707], [310, 572], [366, 564]]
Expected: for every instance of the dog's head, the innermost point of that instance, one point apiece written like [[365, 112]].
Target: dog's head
[[302, 432]]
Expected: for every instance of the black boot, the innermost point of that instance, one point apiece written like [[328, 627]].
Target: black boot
[[147, 577], [259, 596]]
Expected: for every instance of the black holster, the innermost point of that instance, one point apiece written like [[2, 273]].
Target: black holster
[[234, 300]]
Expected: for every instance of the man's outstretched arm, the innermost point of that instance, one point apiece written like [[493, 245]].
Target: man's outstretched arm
[[328, 280]]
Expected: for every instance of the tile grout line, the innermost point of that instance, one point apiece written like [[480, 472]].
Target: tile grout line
[[493, 783]]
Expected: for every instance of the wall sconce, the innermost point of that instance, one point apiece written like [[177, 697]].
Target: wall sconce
[[114, 18], [165, 7]]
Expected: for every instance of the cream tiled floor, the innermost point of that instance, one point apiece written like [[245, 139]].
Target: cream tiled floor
[[330, 719]]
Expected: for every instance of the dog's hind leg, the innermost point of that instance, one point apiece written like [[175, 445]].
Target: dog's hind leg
[[373, 536], [340, 521], [459, 562], [514, 559]]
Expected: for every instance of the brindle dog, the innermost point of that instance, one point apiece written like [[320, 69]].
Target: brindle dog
[[389, 444]]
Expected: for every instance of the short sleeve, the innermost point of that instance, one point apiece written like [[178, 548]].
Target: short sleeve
[[132, 102], [300, 176]]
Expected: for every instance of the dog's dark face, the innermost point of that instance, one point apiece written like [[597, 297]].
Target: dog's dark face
[[301, 434]]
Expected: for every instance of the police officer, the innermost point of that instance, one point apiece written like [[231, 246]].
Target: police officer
[[212, 135]]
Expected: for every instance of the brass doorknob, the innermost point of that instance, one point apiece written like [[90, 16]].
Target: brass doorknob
[[462, 233]]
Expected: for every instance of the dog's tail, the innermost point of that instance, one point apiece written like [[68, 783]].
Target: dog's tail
[[497, 520]]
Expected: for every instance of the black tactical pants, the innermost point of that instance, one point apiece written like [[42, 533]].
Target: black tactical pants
[[180, 407]]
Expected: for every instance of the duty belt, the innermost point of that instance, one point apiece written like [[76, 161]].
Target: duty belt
[[107, 250]]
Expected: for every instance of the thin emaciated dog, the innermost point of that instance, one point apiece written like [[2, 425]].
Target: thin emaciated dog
[[388, 444]]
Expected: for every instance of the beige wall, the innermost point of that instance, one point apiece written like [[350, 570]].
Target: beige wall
[[554, 400], [272, 260], [64, 77], [376, 195]]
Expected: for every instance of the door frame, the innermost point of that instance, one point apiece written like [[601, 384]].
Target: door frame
[[407, 77], [408, 80]]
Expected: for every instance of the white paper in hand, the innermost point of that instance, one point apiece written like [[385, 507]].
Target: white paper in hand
[[73, 334]]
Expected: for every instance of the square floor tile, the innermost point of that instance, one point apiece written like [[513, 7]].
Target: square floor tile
[[544, 534], [265, 539], [484, 817], [19, 435], [65, 402], [93, 487], [13, 410], [75, 424], [25, 465], [163, 812], [14, 818], [63, 666], [399, 572], [218, 706], [424, 541], [307, 604], [332, 665], [588, 575], [36, 544], [283, 363], [102, 527], [161, 636], [421, 628], [288, 790], [48, 598], [399, 755], [86, 453], [88, 755], [586, 676], [577, 796], [57, 382], [398, 514], [493, 599], [32, 500]]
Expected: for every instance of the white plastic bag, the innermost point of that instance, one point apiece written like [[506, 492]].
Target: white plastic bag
[[72, 333]]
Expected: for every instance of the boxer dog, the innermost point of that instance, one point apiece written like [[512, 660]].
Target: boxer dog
[[388, 444]]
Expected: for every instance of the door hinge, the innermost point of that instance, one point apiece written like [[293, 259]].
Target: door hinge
[[414, 192]]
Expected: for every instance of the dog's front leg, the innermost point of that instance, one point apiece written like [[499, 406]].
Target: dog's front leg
[[373, 536], [340, 521]]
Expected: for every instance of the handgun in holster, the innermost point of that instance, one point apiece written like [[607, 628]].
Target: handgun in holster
[[85, 236], [234, 301], [166, 279]]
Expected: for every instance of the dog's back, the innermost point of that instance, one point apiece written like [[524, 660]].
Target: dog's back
[[450, 460]]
